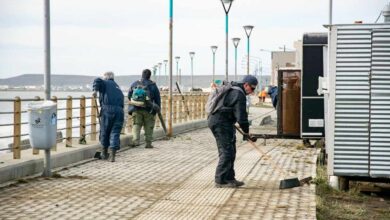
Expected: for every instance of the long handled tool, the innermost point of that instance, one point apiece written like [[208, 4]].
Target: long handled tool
[[285, 183], [162, 121], [98, 154], [183, 99]]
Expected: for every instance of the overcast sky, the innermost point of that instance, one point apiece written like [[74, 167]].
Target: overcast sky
[[125, 36]]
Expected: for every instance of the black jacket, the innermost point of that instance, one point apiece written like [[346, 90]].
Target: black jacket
[[234, 110]]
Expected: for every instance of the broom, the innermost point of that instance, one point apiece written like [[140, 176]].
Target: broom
[[285, 183]]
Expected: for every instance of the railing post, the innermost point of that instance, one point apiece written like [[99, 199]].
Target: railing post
[[54, 99], [82, 138], [197, 105], [36, 151], [17, 128], [192, 109], [179, 111], [69, 121], [174, 108], [185, 108], [93, 119], [164, 108], [125, 116], [204, 100]]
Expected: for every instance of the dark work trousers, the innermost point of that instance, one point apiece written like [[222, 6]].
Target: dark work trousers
[[225, 135], [111, 122]]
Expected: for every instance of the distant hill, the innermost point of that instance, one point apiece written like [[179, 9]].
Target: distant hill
[[202, 81]]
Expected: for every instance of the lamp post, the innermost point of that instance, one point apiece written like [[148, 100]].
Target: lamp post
[[192, 54], [159, 73], [248, 30], [47, 81], [227, 4], [165, 73], [177, 68], [236, 41], [214, 49], [170, 107], [154, 72]]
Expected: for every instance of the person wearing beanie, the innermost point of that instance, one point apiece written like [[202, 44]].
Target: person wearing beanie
[[221, 123], [144, 97], [111, 100]]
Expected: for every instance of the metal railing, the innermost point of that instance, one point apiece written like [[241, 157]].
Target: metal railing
[[192, 107]]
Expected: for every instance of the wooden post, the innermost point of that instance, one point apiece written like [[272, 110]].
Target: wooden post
[[164, 107], [198, 104], [69, 107], [54, 99], [93, 119], [179, 111], [17, 127], [82, 138], [192, 110], [36, 151], [125, 116], [174, 109], [204, 100], [185, 108]]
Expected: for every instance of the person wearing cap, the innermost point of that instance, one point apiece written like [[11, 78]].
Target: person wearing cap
[[222, 123], [144, 114], [111, 100]]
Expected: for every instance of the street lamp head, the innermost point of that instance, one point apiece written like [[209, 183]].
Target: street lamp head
[[159, 64], [165, 61], [192, 54], [177, 58], [227, 4], [214, 48], [248, 30], [236, 41]]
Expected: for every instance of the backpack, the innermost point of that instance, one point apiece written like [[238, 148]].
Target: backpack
[[217, 97], [140, 94]]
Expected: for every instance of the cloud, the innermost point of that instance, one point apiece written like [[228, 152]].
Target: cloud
[[126, 36]]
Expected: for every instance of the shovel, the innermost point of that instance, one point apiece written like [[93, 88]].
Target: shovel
[[98, 154], [285, 183]]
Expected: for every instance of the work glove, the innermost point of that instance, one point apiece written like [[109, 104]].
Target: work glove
[[94, 94]]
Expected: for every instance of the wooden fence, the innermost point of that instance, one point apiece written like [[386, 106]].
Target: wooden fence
[[81, 113]]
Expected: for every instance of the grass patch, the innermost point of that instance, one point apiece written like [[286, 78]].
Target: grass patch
[[335, 204]]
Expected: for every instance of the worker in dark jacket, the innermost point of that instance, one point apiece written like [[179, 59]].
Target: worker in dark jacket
[[145, 102], [222, 123], [111, 101]]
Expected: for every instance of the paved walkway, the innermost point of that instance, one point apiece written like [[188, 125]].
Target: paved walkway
[[172, 181]]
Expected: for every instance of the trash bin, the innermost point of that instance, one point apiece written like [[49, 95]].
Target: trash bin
[[42, 118]]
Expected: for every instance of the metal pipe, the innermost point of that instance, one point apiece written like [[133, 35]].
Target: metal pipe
[[235, 64], [47, 165], [330, 11], [213, 67], [47, 49], [169, 134], [227, 47], [247, 50]]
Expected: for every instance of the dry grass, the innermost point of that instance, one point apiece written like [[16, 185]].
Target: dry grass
[[334, 204]]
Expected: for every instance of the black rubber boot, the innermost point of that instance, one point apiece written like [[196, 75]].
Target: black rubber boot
[[104, 155], [148, 145], [112, 155]]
